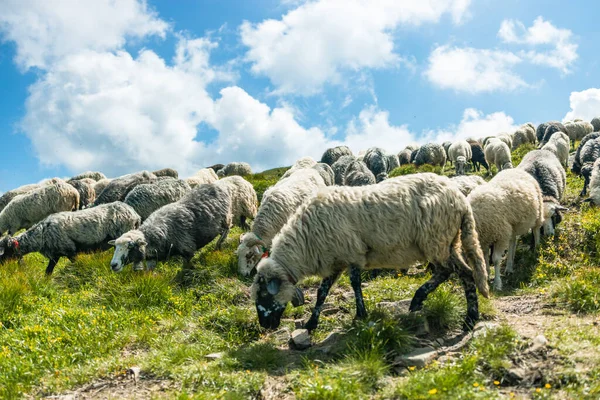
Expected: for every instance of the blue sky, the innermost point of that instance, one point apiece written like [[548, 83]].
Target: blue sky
[[133, 85]]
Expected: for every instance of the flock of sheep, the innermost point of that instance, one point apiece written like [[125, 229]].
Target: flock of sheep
[[321, 218]]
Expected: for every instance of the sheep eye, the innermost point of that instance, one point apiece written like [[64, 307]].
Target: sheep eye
[[131, 245]]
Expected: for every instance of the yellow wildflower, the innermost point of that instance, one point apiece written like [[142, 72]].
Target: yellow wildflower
[[433, 391], [476, 384], [411, 368], [496, 383], [548, 386], [538, 390]]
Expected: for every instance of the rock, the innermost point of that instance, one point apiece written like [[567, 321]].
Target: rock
[[330, 341], [418, 358], [300, 339], [213, 356], [516, 375], [439, 341], [281, 336], [395, 307], [134, 372], [330, 311], [482, 328], [540, 340]]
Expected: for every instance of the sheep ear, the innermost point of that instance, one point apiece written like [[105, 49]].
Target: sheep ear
[[561, 208], [298, 298], [111, 242], [273, 286], [141, 242], [1, 251]]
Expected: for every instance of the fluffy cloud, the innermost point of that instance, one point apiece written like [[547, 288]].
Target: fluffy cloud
[[47, 30], [474, 124], [473, 70], [563, 52], [372, 128], [584, 105], [316, 42]]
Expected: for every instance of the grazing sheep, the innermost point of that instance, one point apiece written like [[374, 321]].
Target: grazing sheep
[[506, 138], [460, 153], [11, 194], [393, 162], [235, 168], [430, 153], [167, 172], [27, 209], [478, 156], [587, 153], [85, 187], [541, 130], [304, 162], [358, 174], [576, 167], [205, 175], [551, 130], [530, 129], [404, 156], [596, 124], [578, 130], [279, 202], [66, 234], [97, 176], [149, 197], [546, 169], [339, 168], [466, 183], [525, 134], [376, 160], [595, 184], [418, 217], [244, 202], [118, 188], [446, 146], [498, 153], [559, 145], [333, 154], [509, 205], [177, 229], [101, 185]]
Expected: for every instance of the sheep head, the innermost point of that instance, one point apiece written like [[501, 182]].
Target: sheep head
[[130, 247], [249, 252], [552, 215]]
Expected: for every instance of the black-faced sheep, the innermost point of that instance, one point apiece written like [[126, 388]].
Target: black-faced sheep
[[177, 229], [66, 234], [478, 156], [331, 155], [419, 217], [149, 197], [118, 188]]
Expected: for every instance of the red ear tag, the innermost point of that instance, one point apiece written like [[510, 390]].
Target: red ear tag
[[265, 254], [16, 244]]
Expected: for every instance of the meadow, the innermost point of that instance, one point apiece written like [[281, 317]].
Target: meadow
[[195, 334]]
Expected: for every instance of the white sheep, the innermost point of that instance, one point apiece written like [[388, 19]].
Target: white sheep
[[595, 184], [100, 185], [279, 202], [204, 176], [27, 209], [460, 154], [394, 224], [506, 138], [578, 129], [466, 183], [302, 163], [498, 153], [244, 203], [559, 145]]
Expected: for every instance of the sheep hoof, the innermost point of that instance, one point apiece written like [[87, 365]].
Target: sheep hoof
[[311, 325], [468, 325]]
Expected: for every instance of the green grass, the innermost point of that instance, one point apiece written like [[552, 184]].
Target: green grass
[[86, 323]]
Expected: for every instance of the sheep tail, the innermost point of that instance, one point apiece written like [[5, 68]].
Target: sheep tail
[[473, 253]]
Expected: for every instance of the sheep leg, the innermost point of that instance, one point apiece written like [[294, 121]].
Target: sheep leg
[[536, 237], [322, 293], [222, 239], [243, 224], [510, 257], [50, 267], [497, 259], [468, 284], [355, 281], [440, 275]]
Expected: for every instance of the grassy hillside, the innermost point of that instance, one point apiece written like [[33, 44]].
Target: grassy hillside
[[84, 327]]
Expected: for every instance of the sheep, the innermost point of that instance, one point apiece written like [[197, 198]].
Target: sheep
[[27, 209], [541, 130], [525, 134], [216, 167], [339, 168], [530, 129], [279, 202], [413, 155], [304, 162], [393, 162], [118, 188], [326, 173], [358, 174], [559, 145], [460, 153], [596, 124], [205, 175], [376, 160], [149, 197], [578, 130], [418, 217], [66, 234], [551, 130], [85, 187], [509, 205], [404, 156], [166, 172], [11, 194], [446, 145], [466, 183], [331, 155], [498, 153], [595, 184], [587, 153], [97, 176], [244, 202], [478, 156], [101, 185], [235, 168], [546, 169], [178, 228], [506, 138], [430, 153]]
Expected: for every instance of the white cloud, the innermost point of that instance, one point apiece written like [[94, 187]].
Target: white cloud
[[563, 52], [47, 30], [473, 70], [474, 124], [372, 129], [584, 105], [318, 41]]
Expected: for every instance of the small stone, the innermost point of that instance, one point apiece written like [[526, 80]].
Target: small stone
[[516, 374], [300, 339], [540, 340], [213, 356], [483, 328], [134, 373], [281, 336], [330, 311], [418, 358]]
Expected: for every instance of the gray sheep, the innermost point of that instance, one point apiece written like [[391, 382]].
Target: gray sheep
[[551, 129], [430, 153], [393, 162], [358, 174], [235, 168], [331, 155], [85, 187], [89, 174], [460, 153], [149, 197], [66, 234], [596, 124], [339, 168], [585, 158], [578, 130], [376, 160], [541, 129], [101, 185], [244, 202], [119, 188], [404, 156], [166, 172], [595, 184], [177, 229], [326, 173], [11, 194]]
